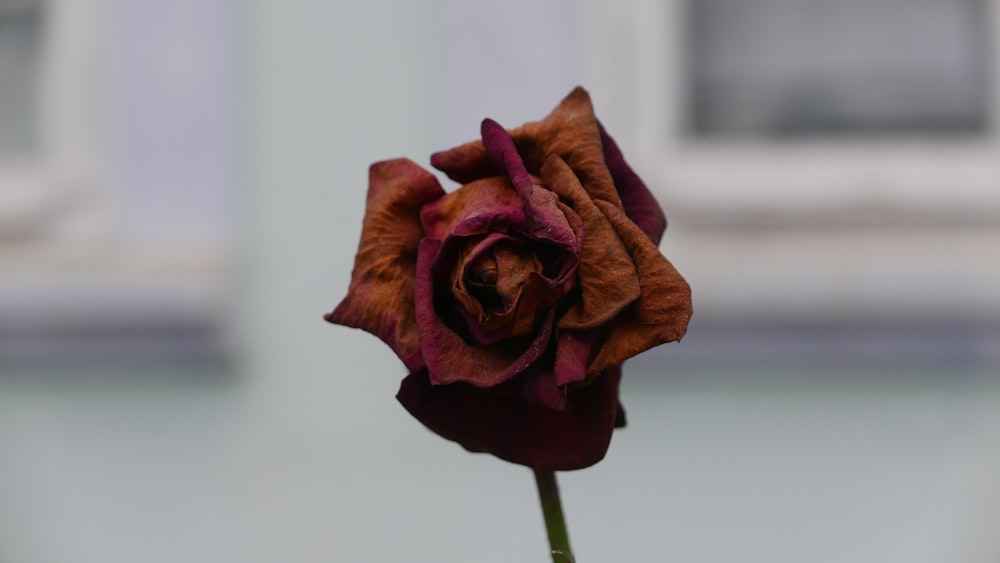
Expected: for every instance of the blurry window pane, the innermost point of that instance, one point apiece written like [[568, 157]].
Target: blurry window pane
[[811, 67], [20, 50]]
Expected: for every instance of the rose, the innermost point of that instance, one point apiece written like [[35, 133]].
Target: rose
[[514, 299]]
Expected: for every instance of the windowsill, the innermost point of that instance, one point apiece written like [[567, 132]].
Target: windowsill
[[109, 304], [899, 275]]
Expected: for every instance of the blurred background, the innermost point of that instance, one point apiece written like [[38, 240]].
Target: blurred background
[[181, 191]]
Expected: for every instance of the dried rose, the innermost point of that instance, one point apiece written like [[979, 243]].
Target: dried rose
[[514, 299]]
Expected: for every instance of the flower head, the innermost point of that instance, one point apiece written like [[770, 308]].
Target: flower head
[[514, 299]]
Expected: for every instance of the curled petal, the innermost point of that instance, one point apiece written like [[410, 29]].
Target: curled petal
[[517, 431], [573, 355], [661, 313], [606, 275], [475, 205], [638, 201], [474, 274], [380, 299], [536, 387], [448, 357], [501, 150], [492, 204], [570, 132]]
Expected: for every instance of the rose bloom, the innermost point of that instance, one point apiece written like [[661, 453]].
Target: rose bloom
[[514, 300]]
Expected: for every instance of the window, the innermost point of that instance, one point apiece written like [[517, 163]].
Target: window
[[20, 60], [891, 104], [115, 179], [812, 67]]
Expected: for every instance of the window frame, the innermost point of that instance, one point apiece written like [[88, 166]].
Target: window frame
[[712, 177], [79, 284], [59, 194]]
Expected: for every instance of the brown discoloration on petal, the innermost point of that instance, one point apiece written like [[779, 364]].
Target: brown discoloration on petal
[[448, 357], [570, 132], [474, 277], [442, 216], [661, 313], [381, 295], [514, 265], [606, 275]]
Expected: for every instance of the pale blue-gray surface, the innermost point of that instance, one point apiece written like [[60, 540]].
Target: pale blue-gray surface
[[879, 464]]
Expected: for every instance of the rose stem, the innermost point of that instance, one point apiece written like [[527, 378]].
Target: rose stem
[[555, 523]]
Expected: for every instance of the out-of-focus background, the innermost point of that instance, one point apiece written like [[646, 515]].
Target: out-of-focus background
[[181, 189]]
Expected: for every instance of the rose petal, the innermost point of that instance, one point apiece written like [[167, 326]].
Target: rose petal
[[492, 204], [475, 259], [606, 275], [661, 313], [533, 306], [501, 150], [573, 355], [380, 299], [541, 206], [536, 387], [514, 430], [570, 132], [514, 266], [620, 418], [640, 205], [448, 357], [520, 293], [474, 205]]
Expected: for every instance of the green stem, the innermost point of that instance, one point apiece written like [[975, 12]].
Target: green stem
[[555, 523]]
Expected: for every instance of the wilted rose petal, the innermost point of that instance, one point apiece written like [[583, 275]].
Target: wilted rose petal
[[573, 355], [570, 132], [514, 430], [661, 313], [449, 358], [638, 201], [380, 299], [606, 274]]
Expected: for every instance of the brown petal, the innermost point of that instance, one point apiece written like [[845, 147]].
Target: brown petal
[[570, 131], [473, 276], [663, 309], [380, 299], [606, 275], [514, 266], [448, 357]]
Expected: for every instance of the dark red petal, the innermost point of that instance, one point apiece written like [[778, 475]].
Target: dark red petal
[[620, 418], [448, 357], [661, 313], [380, 299], [639, 203], [475, 204], [535, 387], [573, 350], [514, 430], [501, 150]]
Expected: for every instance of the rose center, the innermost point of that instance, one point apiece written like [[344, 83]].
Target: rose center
[[498, 274]]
